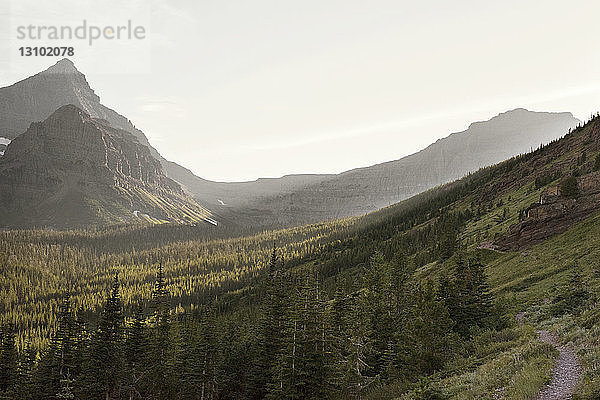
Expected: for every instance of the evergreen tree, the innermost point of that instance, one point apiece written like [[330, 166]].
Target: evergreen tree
[[569, 187], [266, 379], [428, 332], [159, 361], [26, 370], [200, 360], [61, 358], [337, 316], [106, 360], [359, 350], [66, 389], [304, 355], [8, 361], [135, 352], [467, 296]]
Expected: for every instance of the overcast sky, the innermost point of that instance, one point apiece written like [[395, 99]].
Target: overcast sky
[[237, 90]]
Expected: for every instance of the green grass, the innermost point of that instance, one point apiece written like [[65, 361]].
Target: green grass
[[532, 275], [517, 368], [493, 222], [515, 364], [529, 280]]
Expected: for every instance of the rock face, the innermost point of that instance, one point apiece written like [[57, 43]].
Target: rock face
[[35, 98], [553, 214], [74, 170], [367, 189]]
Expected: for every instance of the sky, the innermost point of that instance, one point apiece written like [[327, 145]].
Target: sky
[[237, 90]]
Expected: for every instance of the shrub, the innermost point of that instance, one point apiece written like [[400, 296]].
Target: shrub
[[569, 188]]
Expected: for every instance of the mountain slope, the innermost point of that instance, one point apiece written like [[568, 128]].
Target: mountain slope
[[73, 170], [35, 98], [367, 189]]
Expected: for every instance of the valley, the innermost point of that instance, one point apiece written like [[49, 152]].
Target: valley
[[124, 275], [343, 274]]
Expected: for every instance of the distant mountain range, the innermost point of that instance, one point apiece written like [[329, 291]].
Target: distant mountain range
[[290, 200], [367, 189]]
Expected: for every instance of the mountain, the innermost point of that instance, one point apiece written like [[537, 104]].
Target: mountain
[[35, 98], [367, 189], [294, 199], [72, 170]]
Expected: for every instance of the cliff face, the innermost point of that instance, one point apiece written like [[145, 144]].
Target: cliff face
[[553, 214], [74, 170], [35, 98], [296, 199]]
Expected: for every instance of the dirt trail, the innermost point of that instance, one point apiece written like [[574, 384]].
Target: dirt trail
[[565, 374]]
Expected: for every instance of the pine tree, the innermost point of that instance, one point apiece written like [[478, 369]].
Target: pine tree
[[25, 373], [136, 347], [266, 378], [159, 362], [105, 365], [200, 359], [8, 361], [428, 332], [359, 350], [61, 358], [569, 188], [304, 345], [467, 296], [337, 315], [66, 388]]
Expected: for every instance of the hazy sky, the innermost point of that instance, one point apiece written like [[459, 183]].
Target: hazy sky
[[236, 90]]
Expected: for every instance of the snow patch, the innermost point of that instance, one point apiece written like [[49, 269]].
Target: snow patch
[[221, 202], [5, 141], [210, 221], [138, 214]]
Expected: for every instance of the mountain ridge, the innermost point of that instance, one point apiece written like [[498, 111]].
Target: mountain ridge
[[297, 198], [365, 189], [74, 170], [36, 97]]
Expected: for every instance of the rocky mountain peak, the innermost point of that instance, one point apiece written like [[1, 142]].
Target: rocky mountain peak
[[73, 170], [64, 66]]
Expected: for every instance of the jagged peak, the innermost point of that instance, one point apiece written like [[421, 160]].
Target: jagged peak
[[64, 66]]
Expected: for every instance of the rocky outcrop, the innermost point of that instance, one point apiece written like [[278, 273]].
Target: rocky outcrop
[[75, 170], [553, 214]]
